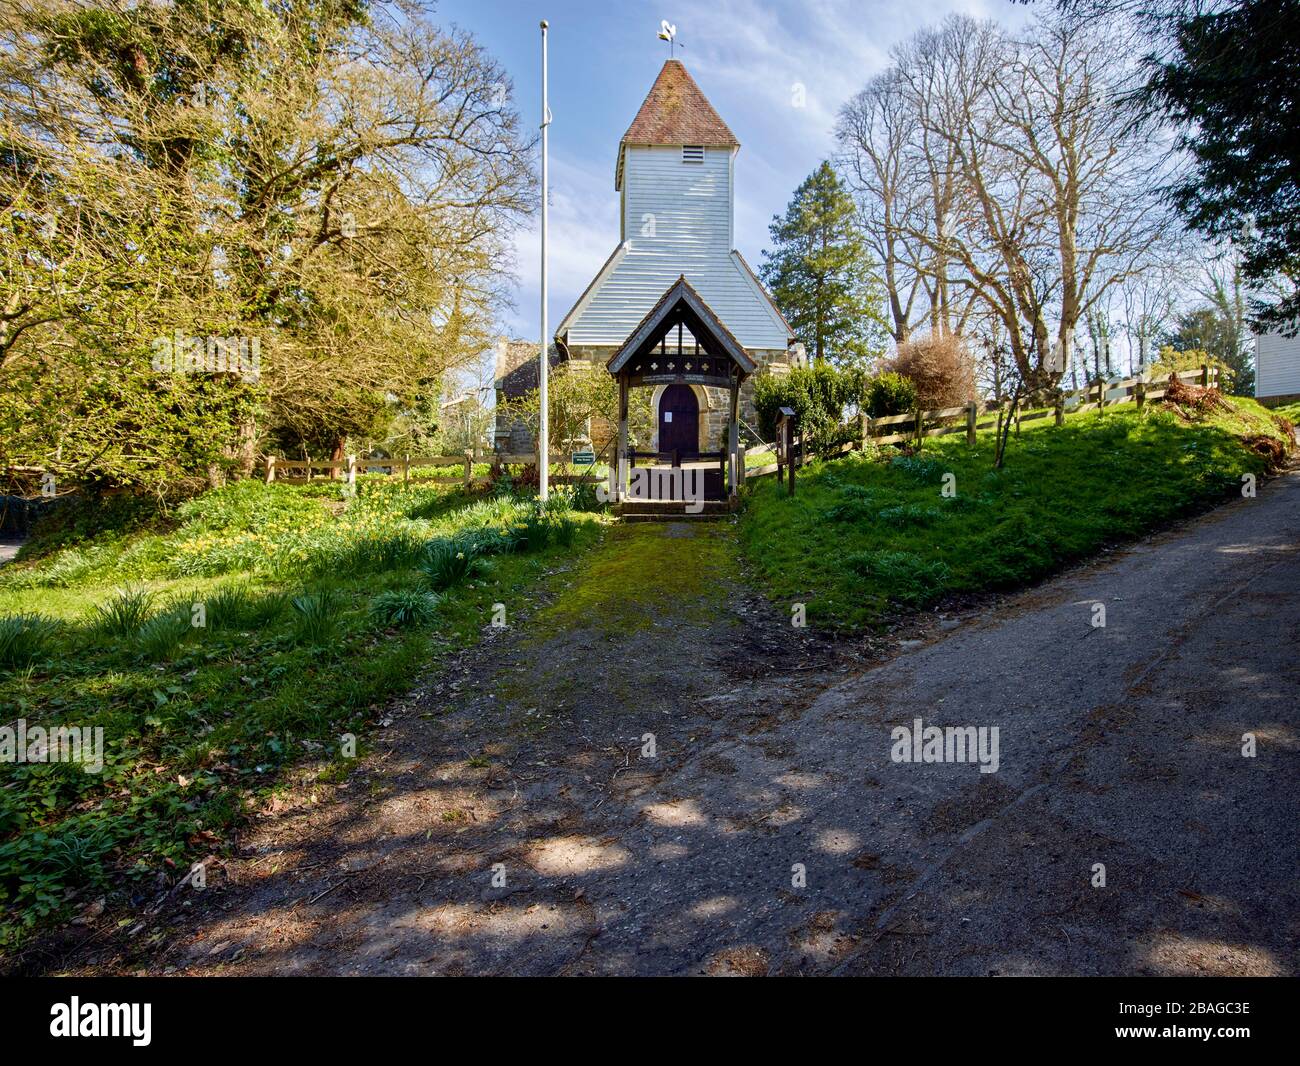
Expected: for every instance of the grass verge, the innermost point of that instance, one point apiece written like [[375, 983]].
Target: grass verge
[[252, 631], [868, 534]]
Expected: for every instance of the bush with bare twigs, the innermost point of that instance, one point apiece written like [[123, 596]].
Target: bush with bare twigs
[[940, 367], [1192, 402]]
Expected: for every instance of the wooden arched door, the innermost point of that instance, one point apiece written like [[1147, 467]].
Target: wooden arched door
[[679, 421]]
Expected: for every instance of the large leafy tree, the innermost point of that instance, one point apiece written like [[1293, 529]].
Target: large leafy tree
[[334, 179], [819, 272], [1230, 79], [105, 250]]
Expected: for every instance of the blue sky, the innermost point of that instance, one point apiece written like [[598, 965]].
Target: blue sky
[[746, 55]]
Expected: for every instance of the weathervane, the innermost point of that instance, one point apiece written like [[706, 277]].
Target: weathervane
[[668, 33]]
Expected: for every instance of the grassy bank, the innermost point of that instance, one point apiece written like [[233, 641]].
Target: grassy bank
[[865, 533], [250, 631]]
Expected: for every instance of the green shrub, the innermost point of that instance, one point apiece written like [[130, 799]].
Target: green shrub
[[535, 534], [265, 609], [564, 532], [125, 612], [919, 467], [83, 516], [25, 638], [77, 858], [238, 607], [375, 555], [909, 514], [850, 511], [583, 497], [248, 505], [71, 566], [1171, 361], [484, 542], [404, 607], [819, 397], [889, 394]]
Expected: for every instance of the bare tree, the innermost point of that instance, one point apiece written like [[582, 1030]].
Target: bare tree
[[1223, 286], [983, 210], [1150, 299], [873, 131], [1040, 190]]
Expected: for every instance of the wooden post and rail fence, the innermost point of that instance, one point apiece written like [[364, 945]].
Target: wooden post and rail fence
[[915, 426], [792, 449], [410, 469]]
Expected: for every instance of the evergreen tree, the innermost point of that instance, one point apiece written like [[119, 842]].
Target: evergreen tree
[[820, 273], [1230, 82]]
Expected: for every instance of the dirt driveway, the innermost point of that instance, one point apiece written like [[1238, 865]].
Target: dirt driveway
[[687, 785]]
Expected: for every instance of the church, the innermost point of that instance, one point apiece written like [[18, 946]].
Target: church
[[676, 307]]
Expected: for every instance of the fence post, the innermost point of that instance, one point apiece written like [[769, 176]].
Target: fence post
[[920, 425], [1101, 393], [1059, 408], [406, 468], [469, 469], [864, 424], [780, 454], [789, 447], [1140, 392], [352, 474], [972, 413], [270, 469], [1205, 375]]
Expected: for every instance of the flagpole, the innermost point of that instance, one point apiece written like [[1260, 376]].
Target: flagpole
[[543, 435]]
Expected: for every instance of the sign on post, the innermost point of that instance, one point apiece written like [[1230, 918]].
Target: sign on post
[[785, 457]]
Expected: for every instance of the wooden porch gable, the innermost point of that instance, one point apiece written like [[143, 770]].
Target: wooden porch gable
[[721, 359]]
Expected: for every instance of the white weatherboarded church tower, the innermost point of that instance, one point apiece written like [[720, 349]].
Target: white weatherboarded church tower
[[675, 174], [1277, 368]]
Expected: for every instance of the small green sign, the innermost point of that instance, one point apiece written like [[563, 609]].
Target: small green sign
[[584, 458]]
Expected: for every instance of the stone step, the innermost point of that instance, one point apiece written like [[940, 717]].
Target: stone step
[[672, 510]]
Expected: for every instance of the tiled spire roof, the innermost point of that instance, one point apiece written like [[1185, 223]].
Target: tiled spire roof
[[677, 112]]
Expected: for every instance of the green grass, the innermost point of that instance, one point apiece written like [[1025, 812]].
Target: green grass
[[641, 572], [1290, 411], [217, 646], [864, 536], [642, 579], [25, 638]]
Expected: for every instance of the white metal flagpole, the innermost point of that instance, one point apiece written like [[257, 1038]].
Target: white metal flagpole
[[543, 434]]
